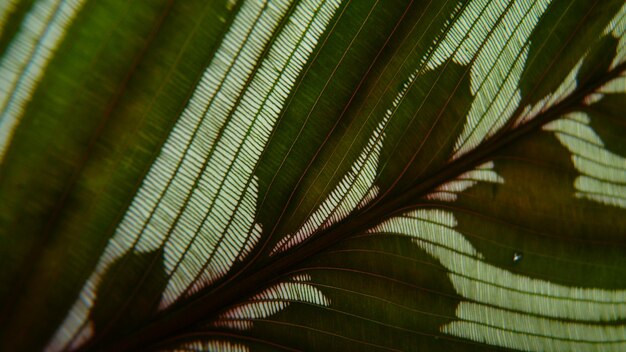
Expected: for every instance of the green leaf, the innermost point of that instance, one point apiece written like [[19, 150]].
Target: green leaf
[[312, 175]]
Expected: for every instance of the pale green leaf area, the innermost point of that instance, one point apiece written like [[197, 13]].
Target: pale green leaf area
[[303, 175]]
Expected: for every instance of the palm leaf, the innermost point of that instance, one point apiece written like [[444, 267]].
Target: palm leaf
[[311, 175]]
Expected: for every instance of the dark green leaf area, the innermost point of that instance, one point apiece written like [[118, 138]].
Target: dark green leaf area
[[421, 134], [389, 266], [314, 117], [385, 293], [535, 212], [46, 152], [560, 40], [598, 61], [121, 78], [339, 101], [126, 294], [50, 145], [343, 96], [320, 329], [607, 119], [397, 302]]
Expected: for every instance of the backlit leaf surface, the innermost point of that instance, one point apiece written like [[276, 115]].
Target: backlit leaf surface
[[313, 175]]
